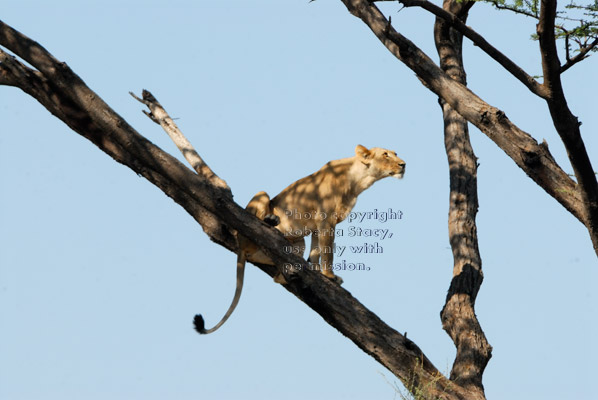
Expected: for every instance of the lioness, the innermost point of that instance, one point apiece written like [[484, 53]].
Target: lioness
[[313, 205]]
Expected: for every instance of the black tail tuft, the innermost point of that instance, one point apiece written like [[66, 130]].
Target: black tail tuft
[[199, 324]]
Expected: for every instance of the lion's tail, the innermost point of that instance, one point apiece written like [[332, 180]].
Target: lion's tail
[[198, 321]]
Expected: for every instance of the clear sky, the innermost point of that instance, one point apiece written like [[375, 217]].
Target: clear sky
[[101, 273]]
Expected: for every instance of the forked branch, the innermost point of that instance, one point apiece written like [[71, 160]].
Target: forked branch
[[580, 56], [533, 158]]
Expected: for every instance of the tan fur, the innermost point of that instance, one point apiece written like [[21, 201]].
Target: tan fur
[[314, 205]]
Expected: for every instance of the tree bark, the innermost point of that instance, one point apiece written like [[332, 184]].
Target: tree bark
[[533, 158], [458, 315]]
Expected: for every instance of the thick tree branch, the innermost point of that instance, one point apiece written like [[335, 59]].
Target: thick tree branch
[[65, 95], [534, 159], [168, 173], [6, 79], [458, 314], [567, 124]]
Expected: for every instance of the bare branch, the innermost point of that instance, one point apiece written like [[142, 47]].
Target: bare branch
[[482, 43], [159, 115]]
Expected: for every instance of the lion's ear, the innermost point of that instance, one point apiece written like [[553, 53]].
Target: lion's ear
[[363, 154]]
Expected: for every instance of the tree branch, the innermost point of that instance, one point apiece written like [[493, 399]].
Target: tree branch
[[458, 314], [64, 94], [533, 85], [550, 58], [6, 79], [579, 56], [159, 115], [534, 159], [567, 124], [33, 83], [521, 11]]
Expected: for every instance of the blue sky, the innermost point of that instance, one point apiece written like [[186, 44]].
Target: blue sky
[[101, 273]]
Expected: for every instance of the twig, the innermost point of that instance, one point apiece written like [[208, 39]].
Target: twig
[[579, 56], [515, 10]]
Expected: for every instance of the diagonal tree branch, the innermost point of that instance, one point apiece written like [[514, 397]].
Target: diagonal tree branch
[[533, 158], [6, 79], [161, 117], [65, 95], [482, 43]]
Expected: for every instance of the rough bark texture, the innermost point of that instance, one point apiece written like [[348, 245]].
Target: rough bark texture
[[458, 315], [66, 96], [533, 158]]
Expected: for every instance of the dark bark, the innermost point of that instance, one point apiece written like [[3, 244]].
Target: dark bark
[[458, 315], [566, 124]]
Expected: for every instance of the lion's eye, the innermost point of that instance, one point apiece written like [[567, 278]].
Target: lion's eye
[[385, 155]]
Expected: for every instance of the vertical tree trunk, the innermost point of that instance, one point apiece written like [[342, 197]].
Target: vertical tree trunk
[[458, 315]]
